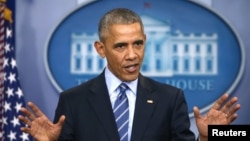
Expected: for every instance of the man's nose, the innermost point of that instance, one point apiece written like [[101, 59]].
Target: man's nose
[[131, 52]]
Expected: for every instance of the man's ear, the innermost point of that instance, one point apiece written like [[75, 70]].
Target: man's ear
[[99, 46]]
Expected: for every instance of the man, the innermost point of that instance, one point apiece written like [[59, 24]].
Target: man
[[156, 112]]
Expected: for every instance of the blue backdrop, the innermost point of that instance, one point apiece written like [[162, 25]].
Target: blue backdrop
[[37, 20]]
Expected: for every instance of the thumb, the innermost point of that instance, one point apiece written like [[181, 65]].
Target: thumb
[[61, 121], [197, 114]]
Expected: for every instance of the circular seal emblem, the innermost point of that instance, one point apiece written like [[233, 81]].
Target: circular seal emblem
[[188, 46]]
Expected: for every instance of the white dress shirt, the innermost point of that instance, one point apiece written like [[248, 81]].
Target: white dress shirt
[[113, 83]]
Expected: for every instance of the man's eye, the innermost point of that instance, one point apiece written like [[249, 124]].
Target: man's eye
[[138, 44], [119, 45]]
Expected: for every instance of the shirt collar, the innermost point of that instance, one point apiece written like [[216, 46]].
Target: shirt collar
[[113, 82]]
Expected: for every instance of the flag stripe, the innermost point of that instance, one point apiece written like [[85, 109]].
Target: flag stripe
[[2, 6]]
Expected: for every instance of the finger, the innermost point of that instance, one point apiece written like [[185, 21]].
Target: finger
[[232, 118], [27, 113], [228, 105], [233, 110], [220, 101], [25, 129], [197, 114], [35, 109], [24, 120]]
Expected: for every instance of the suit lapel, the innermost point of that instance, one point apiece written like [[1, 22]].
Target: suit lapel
[[101, 104], [145, 104]]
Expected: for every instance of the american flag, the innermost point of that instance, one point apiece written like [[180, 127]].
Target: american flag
[[11, 94]]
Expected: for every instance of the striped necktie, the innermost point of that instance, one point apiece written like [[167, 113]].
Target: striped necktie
[[121, 112]]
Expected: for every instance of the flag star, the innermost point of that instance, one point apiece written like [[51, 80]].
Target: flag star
[[18, 107], [7, 106], [13, 62], [7, 47], [9, 32], [12, 77], [24, 136], [1, 134], [9, 92], [19, 92], [5, 63], [12, 136], [4, 76], [15, 122], [5, 121]]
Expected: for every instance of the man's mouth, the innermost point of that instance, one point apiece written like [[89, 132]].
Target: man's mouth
[[131, 68]]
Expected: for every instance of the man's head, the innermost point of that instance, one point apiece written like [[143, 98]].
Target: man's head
[[122, 42]]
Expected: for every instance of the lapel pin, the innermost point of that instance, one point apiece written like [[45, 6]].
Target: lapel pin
[[150, 101]]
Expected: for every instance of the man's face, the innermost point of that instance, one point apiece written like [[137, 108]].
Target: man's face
[[124, 50]]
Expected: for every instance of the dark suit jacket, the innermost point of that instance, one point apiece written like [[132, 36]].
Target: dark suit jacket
[[89, 115]]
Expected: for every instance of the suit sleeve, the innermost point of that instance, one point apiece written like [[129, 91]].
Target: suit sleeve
[[180, 120], [63, 108]]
